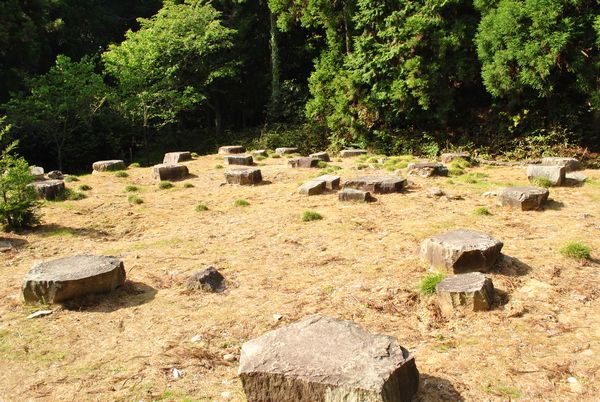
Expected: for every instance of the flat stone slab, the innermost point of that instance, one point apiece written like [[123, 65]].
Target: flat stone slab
[[350, 194], [286, 150], [49, 189], [304, 163], [427, 169], [232, 149], [321, 359], [313, 187], [108, 166], [209, 280], [451, 156], [377, 184], [244, 160], [176, 157], [523, 198], [243, 176], [71, 277], [170, 172], [348, 153], [555, 174], [473, 291], [461, 251], [570, 164], [324, 156]]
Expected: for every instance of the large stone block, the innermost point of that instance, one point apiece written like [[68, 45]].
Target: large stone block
[[461, 251], [348, 153], [176, 157], [570, 164], [243, 176], [313, 187], [108, 166], [49, 189], [324, 156], [304, 163], [555, 174], [377, 184], [350, 194], [232, 149], [523, 198], [71, 277], [332, 182], [427, 169], [171, 172], [451, 156], [244, 160], [472, 291], [321, 359], [286, 150]]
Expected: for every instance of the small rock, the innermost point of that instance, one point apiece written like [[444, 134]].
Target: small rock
[[41, 313], [232, 149], [229, 358], [435, 192], [196, 339], [277, 317], [489, 194], [37, 172], [208, 279], [177, 374], [575, 178], [5, 246], [227, 395]]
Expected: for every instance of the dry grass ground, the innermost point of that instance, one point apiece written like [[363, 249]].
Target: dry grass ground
[[359, 262]]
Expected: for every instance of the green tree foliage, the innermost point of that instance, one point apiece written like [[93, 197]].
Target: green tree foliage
[[18, 203]]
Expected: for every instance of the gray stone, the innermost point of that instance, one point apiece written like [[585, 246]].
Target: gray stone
[[244, 160], [377, 184], [575, 178], [49, 189], [108, 166], [313, 187], [170, 172], [555, 174], [461, 251], [232, 149], [321, 359], [37, 172], [286, 150], [324, 156], [260, 152], [427, 169], [332, 182], [350, 194], [451, 156], [176, 157], [71, 277], [523, 198], [570, 164], [243, 176], [304, 163], [5, 245], [473, 291], [209, 280], [348, 153], [55, 175]]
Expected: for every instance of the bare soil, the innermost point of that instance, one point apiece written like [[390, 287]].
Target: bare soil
[[360, 262]]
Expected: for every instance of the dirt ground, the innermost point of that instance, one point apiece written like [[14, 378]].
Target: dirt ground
[[360, 262]]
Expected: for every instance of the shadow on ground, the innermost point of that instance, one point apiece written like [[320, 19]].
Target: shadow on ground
[[554, 205], [14, 242], [512, 266], [131, 294], [436, 389], [54, 229]]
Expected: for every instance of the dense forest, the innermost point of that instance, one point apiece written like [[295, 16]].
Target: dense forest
[[89, 79]]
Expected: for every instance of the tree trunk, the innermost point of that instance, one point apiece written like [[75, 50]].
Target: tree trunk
[[275, 101], [218, 118]]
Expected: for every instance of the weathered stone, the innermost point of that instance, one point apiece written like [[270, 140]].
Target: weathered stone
[[575, 178], [172, 158], [523, 198], [555, 174], [245, 160], [49, 189], [462, 251], [5, 245], [209, 280], [377, 184], [427, 169], [37, 172], [232, 149], [171, 172], [351, 194], [570, 164], [313, 187], [286, 150], [435, 192], [331, 182], [243, 176], [473, 291], [304, 163], [260, 152], [348, 153], [108, 166], [324, 156], [451, 156], [322, 359], [71, 277], [55, 175]]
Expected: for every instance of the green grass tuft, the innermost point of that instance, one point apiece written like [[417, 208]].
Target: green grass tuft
[[429, 282], [275, 156], [134, 199], [194, 154], [576, 251], [541, 182], [85, 187], [121, 173], [134, 165], [201, 207], [218, 166], [165, 185], [69, 179], [482, 211], [322, 164], [309, 216], [188, 185], [131, 188], [241, 203]]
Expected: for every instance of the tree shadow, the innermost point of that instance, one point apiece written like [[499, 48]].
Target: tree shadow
[[512, 266], [54, 229], [501, 298], [131, 294], [436, 389], [16, 243], [554, 205], [573, 183]]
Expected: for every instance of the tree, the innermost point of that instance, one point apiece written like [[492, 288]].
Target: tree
[[18, 199]]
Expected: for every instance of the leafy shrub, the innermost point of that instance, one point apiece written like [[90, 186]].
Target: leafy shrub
[[241, 203], [85, 187], [201, 207], [134, 199], [576, 251], [429, 282], [309, 216], [121, 173], [165, 185], [131, 188]]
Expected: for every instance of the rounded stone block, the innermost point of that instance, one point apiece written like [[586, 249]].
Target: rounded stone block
[[244, 160], [170, 172], [350, 194], [451, 156], [473, 291], [209, 280], [232, 149], [377, 184], [523, 198], [325, 359], [348, 153], [176, 157], [49, 189], [427, 169], [108, 166], [72, 277], [37, 172], [461, 251], [243, 176], [286, 150]]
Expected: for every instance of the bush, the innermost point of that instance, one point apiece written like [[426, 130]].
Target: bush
[[165, 185], [309, 216], [576, 251], [201, 207], [85, 187], [241, 203], [134, 199], [131, 188], [121, 173], [429, 282]]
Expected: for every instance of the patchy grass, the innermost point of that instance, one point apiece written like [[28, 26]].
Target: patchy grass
[[503, 390], [85, 187], [194, 155], [398, 162], [60, 232], [134, 165], [69, 179], [576, 251], [165, 185], [219, 166], [482, 211], [322, 164], [309, 216], [473, 177], [241, 203], [135, 199], [188, 185], [131, 188], [201, 208], [121, 174], [429, 282], [541, 182]]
